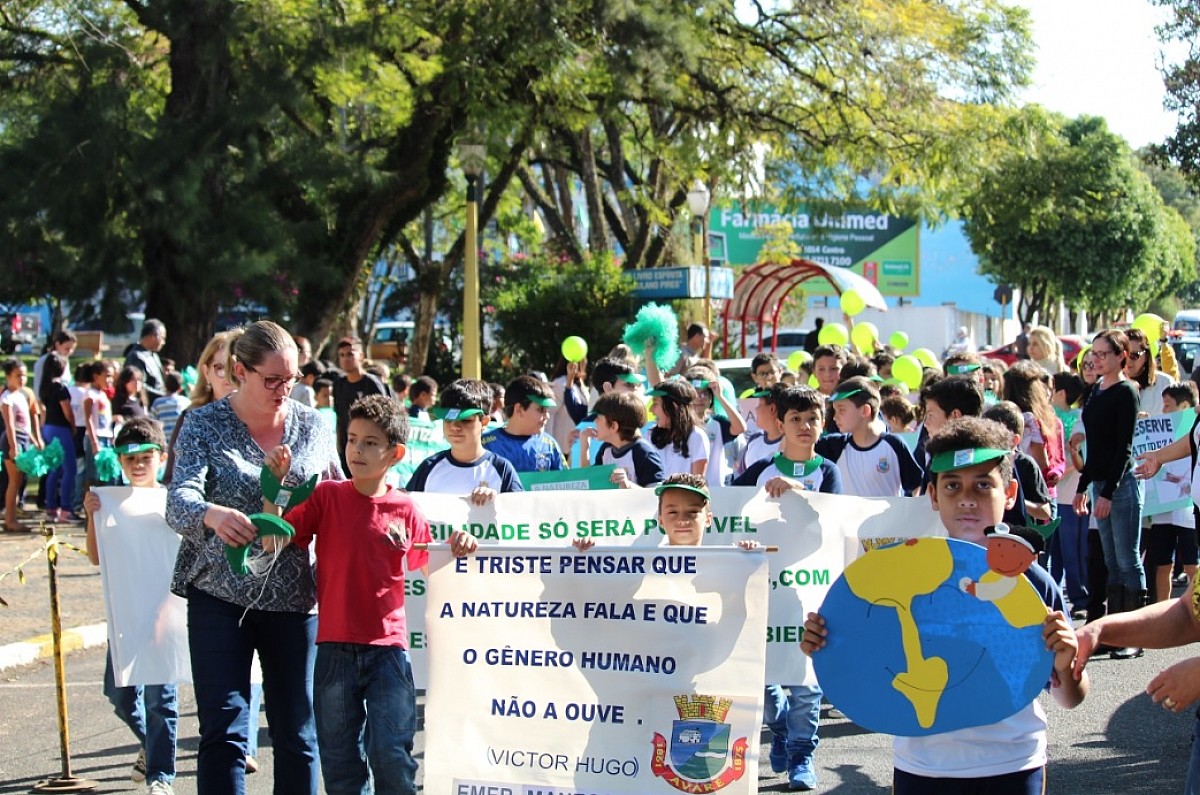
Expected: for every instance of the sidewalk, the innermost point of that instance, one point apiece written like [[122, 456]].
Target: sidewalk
[[25, 622]]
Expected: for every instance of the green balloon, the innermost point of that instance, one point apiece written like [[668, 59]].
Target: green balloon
[[898, 340]]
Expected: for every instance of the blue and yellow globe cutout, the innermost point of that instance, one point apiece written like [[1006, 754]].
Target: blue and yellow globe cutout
[[913, 651]]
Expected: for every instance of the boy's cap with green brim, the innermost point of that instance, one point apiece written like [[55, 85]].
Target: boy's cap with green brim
[[134, 448], [962, 369], [455, 415], [849, 393], [632, 378], [545, 402], [961, 459], [760, 393], [683, 487]]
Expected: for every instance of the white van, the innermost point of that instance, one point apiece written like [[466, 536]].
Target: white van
[[1187, 321]]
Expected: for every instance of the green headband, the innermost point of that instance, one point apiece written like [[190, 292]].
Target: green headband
[[682, 487], [760, 393], [285, 498], [632, 378], [267, 525], [961, 459], [673, 398], [962, 369], [133, 448], [843, 395], [455, 415]]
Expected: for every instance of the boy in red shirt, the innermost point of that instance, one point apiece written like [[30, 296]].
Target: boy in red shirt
[[366, 534]]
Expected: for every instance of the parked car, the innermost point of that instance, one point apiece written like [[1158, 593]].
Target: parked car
[[1187, 353], [1072, 344], [738, 373], [787, 340], [390, 341]]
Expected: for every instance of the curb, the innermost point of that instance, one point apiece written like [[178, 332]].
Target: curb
[[42, 646]]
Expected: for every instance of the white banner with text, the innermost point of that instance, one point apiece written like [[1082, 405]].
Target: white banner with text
[[817, 536], [618, 670]]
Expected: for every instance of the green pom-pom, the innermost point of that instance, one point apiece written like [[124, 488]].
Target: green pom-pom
[[32, 462], [53, 453], [189, 376], [657, 323], [108, 466]]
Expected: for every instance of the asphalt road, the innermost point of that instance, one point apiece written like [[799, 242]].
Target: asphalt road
[[1116, 742]]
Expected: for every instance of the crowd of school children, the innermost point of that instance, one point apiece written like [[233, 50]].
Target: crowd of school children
[[1041, 443]]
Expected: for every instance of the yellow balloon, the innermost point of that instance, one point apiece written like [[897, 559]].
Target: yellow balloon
[[574, 349], [864, 335], [797, 359], [908, 369], [926, 357], [813, 382], [1150, 324], [833, 334], [898, 340], [852, 303]]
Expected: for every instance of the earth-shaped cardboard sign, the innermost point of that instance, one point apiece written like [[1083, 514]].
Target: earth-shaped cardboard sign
[[931, 635]]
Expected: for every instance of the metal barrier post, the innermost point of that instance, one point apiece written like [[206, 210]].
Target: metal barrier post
[[66, 782]]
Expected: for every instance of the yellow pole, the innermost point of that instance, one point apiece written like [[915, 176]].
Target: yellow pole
[[472, 366], [67, 782]]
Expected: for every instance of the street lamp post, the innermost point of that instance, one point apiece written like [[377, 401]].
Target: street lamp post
[[697, 199], [473, 156]]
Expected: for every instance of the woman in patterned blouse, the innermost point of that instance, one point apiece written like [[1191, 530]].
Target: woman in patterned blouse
[[218, 459]]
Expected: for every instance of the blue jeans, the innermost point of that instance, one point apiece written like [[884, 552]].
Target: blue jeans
[[151, 712], [1193, 775], [1121, 533], [794, 716], [1068, 554], [221, 652], [366, 707], [1027, 782], [60, 482]]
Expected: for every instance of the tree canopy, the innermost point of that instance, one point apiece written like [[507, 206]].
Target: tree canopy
[[202, 152], [1074, 218]]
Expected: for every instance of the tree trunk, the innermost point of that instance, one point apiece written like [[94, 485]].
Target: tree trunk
[[597, 237]]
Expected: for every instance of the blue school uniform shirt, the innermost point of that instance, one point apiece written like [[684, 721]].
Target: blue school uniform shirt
[[825, 478], [442, 474], [537, 453], [641, 461], [885, 469]]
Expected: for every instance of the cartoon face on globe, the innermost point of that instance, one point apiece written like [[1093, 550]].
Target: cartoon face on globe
[[925, 637]]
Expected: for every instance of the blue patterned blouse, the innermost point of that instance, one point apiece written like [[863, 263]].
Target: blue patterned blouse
[[217, 462]]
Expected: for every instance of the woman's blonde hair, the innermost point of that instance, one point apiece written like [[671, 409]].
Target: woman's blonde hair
[[1045, 338], [202, 393], [252, 344]]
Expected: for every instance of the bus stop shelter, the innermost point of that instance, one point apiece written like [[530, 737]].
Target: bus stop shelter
[[760, 291]]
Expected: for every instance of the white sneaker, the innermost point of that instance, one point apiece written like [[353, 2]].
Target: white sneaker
[[160, 788], [138, 774]]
